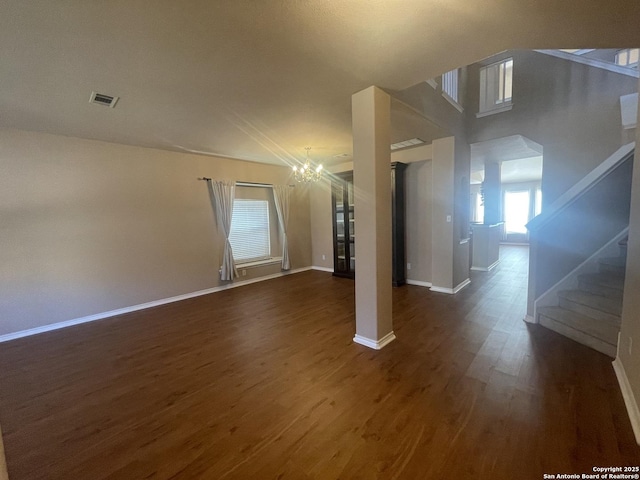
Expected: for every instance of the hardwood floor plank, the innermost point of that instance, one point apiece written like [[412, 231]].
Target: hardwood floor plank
[[264, 381]]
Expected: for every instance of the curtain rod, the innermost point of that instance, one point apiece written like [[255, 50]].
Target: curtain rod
[[248, 184]]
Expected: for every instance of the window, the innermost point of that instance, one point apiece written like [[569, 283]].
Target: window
[[450, 84], [250, 232], [516, 211], [628, 57], [538, 204], [496, 85], [478, 208]]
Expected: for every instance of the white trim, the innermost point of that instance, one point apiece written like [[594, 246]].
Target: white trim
[[375, 344], [503, 108], [437, 289], [432, 83], [629, 399], [582, 186], [451, 291], [419, 283], [322, 269], [592, 62], [529, 319], [452, 102], [486, 269], [120, 311], [462, 284]]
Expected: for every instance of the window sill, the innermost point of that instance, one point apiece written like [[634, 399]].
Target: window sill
[[260, 263], [453, 102], [493, 111]]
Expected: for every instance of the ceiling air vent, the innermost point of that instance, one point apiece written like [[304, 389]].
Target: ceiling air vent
[[407, 143], [102, 99]]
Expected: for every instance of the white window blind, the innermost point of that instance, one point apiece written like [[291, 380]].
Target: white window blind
[[450, 84], [496, 85], [250, 230]]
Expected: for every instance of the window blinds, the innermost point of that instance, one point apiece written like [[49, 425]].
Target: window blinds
[[250, 230]]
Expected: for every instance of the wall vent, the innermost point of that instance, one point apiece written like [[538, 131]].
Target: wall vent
[[102, 99]]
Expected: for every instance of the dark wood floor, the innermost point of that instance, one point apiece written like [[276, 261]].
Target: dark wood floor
[[264, 382]]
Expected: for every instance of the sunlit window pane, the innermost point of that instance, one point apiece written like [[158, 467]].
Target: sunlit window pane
[[479, 209], [623, 58], [538, 206], [500, 98], [516, 211], [508, 82]]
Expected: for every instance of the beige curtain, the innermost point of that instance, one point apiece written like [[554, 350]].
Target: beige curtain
[[222, 194], [282, 197]]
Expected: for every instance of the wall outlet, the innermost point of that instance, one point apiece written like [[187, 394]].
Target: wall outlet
[[244, 273], [630, 345], [324, 257], [408, 266], [448, 218]]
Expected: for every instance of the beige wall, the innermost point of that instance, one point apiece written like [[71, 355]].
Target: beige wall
[[418, 213], [571, 109], [88, 227], [321, 224], [630, 330], [443, 236], [419, 203]]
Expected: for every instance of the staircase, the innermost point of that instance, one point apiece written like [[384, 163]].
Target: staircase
[[591, 313]]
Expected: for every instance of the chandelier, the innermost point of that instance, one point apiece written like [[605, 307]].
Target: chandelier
[[306, 173]]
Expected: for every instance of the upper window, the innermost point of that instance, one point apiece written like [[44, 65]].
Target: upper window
[[496, 85], [250, 232], [628, 57], [450, 84]]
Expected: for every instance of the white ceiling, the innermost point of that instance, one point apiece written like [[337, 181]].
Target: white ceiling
[[259, 80]]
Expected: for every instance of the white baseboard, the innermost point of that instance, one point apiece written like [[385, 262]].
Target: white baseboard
[[629, 399], [486, 269], [451, 291], [530, 319], [375, 344], [120, 311], [322, 269], [419, 283]]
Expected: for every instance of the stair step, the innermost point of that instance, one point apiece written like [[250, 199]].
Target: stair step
[[614, 265], [595, 306], [601, 336], [605, 284]]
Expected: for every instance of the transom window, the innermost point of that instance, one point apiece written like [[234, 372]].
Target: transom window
[[496, 86], [628, 57], [450, 84]]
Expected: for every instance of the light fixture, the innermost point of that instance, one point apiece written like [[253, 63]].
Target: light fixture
[[306, 173]]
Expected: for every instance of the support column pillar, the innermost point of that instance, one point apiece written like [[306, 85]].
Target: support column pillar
[[492, 193], [371, 114]]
